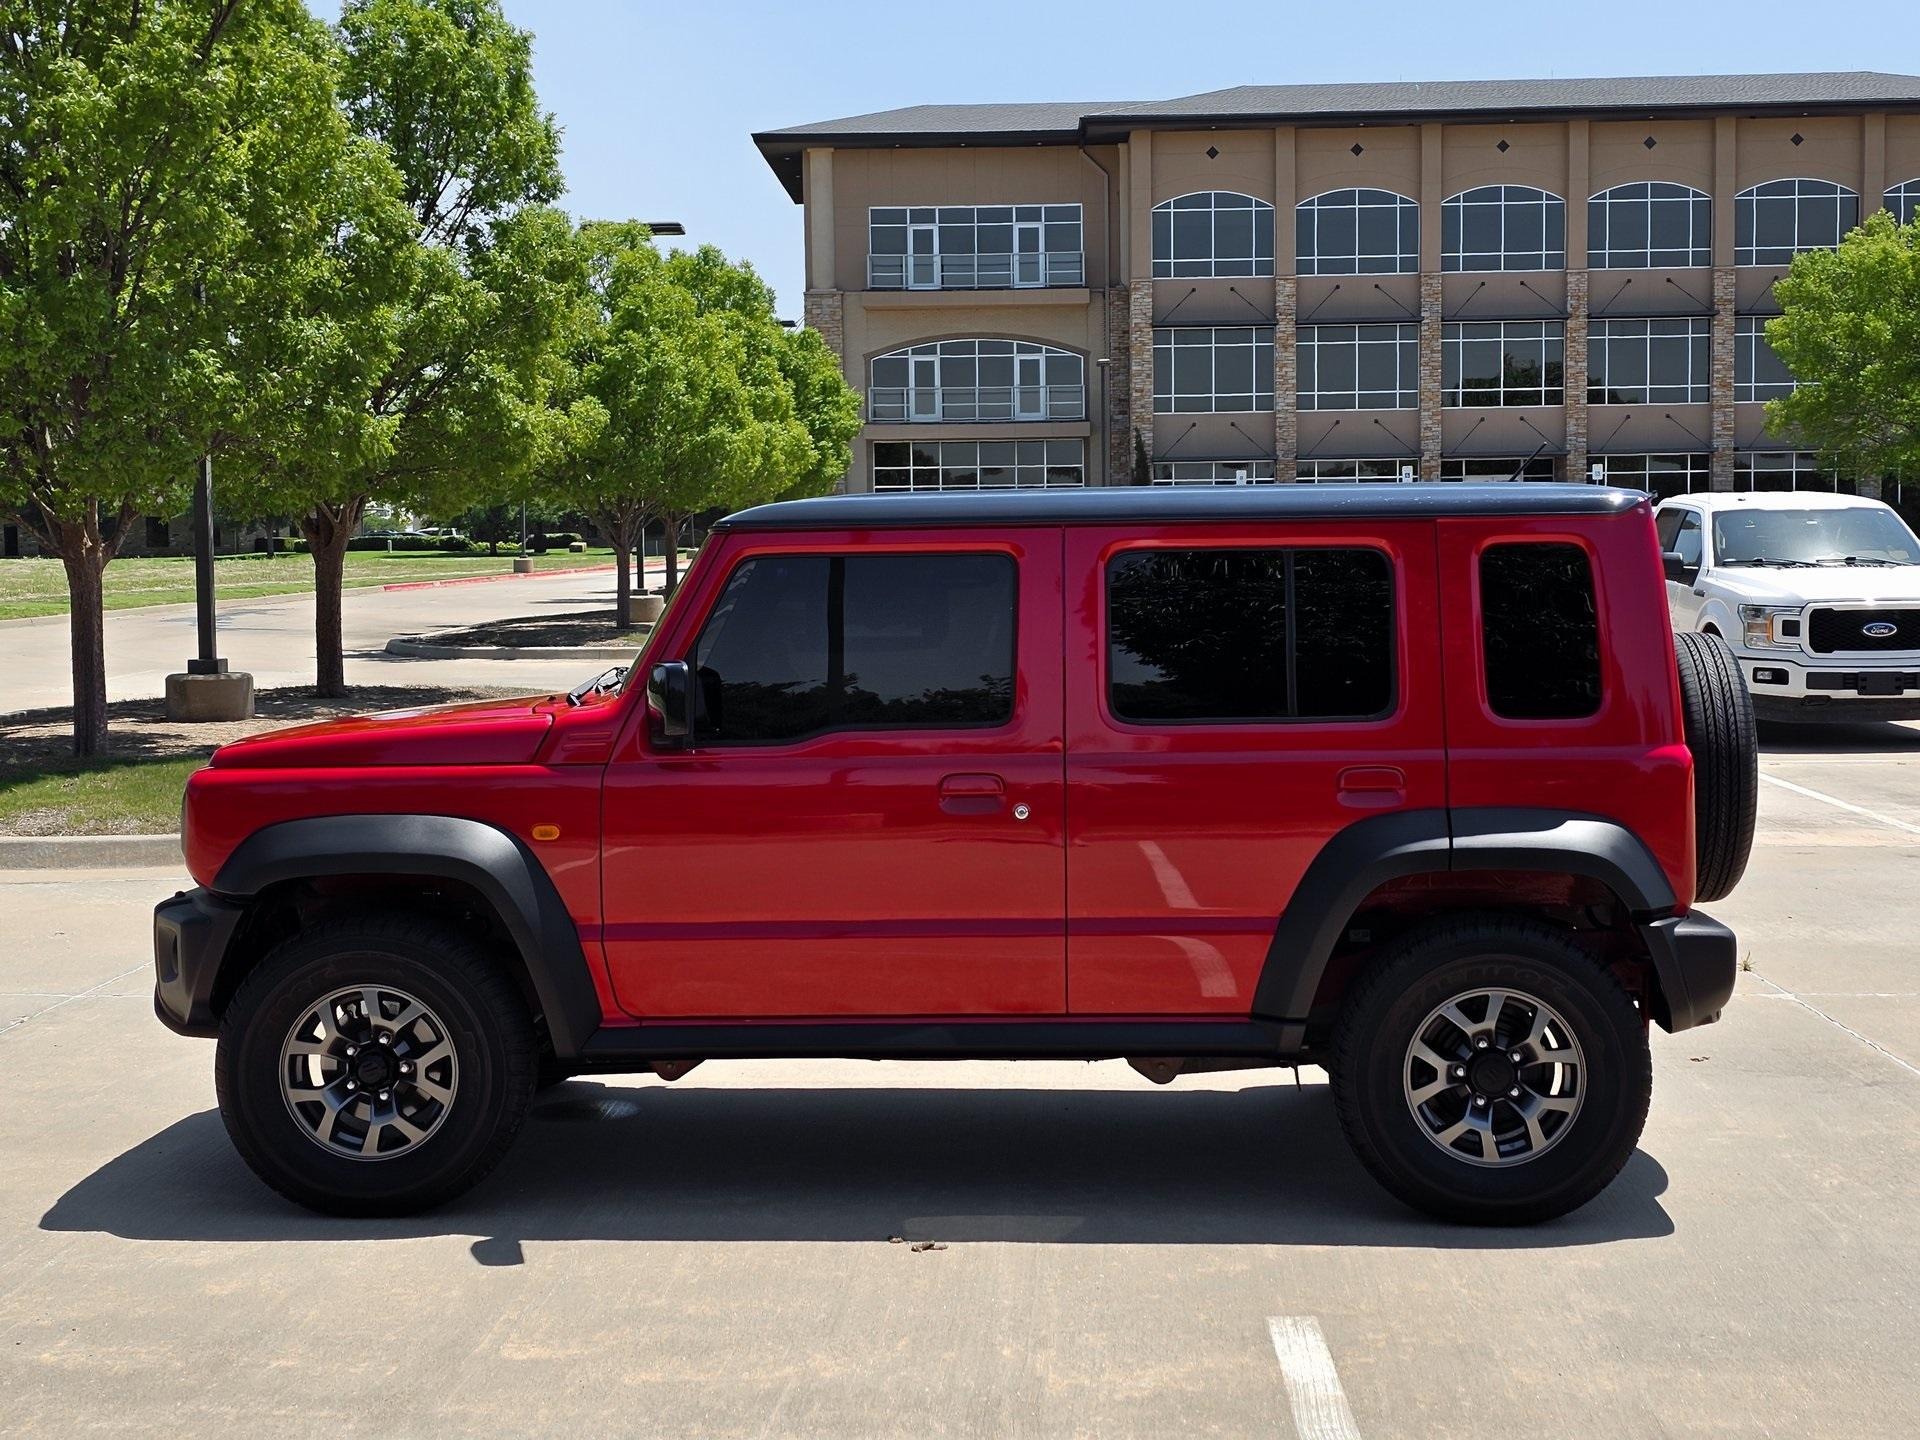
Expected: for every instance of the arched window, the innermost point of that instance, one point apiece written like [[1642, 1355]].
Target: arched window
[[1904, 200], [1357, 232], [1503, 227], [1650, 224], [1776, 221], [1216, 232], [977, 380]]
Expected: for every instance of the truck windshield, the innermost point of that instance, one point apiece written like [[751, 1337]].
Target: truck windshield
[[1856, 535]]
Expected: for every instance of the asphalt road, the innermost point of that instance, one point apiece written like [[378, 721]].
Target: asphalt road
[[272, 638], [715, 1257]]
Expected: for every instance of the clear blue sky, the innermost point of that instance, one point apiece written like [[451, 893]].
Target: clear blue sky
[[658, 100]]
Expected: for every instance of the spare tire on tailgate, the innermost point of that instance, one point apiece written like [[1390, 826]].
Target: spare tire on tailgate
[[1726, 761]]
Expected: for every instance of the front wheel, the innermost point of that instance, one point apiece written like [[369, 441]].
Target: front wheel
[[1490, 1071], [375, 1066]]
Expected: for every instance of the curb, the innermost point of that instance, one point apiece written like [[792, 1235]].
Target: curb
[[426, 650], [507, 575], [86, 852]]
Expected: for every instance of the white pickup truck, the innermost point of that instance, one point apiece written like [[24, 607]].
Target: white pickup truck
[[1818, 594]]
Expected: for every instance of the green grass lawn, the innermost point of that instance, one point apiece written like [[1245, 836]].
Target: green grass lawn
[[39, 586], [114, 797]]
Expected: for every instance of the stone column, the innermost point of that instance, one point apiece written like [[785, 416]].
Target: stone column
[[1119, 385], [1286, 379], [1139, 370], [1576, 375], [1431, 372], [825, 311], [1725, 305]]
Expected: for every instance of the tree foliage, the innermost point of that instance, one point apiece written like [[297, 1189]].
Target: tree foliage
[[1850, 333], [173, 176]]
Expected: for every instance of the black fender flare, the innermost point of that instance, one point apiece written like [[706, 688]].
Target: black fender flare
[[489, 860], [1366, 854]]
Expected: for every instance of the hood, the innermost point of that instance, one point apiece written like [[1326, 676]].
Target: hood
[[1869, 584], [484, 732]]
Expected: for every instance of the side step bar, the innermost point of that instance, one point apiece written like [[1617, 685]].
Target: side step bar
[[627, 1047]]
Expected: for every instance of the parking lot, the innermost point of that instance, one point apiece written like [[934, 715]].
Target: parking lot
[[739, 1253]]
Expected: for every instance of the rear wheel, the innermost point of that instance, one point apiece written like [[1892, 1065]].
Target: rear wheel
[[1489, 1070], [375, 1066]]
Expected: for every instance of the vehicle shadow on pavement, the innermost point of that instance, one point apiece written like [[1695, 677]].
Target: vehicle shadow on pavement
[[1265, 1165]]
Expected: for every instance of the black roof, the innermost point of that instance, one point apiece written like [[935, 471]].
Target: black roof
[[1174, 504], [1398, 102]]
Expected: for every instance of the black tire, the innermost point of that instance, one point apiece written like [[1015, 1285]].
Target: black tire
[[1720, 731], [1422, 971], [485, 1019]]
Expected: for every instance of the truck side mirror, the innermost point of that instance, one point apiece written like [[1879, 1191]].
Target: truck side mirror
[[670, 696], [1678, 570]]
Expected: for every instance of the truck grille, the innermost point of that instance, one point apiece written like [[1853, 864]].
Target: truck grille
[[1836, 630]]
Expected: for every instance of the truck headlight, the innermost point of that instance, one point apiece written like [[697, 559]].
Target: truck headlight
[[1760, 626]]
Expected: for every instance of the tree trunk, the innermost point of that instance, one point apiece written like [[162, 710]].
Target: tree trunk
[[672, 524], [623, 580], [328, 529], [86, 605]]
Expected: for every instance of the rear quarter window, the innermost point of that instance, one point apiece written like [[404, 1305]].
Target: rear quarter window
[[1539, 631]]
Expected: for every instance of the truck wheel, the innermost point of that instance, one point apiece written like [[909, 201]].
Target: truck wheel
[[1488, 1070], [375, 1066], [1718, 711]]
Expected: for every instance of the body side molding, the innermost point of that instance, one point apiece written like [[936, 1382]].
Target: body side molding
[[472, 852]]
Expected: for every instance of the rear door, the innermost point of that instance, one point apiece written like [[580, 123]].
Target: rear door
[[870, 820], [1238, 695]]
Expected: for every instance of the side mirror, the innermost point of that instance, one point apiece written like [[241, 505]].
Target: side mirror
[[1678, 570], [670, 696]]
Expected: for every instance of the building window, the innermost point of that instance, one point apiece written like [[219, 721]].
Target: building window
[[800, 645], [978, 464], [1500, 467], [1357, 232], [1782, 470], [1213, 472], [1204, 369], [1776, 221], [1650, 362], [1539, 631], [1904, 201], [974, 247], [1216, 232], [1349, 472], [1503, 227], [1503, 362], [1359, 367], [1651, 224], [159, 534], [1250, 635], [1758, 373], [971, 380], [1659, 475]]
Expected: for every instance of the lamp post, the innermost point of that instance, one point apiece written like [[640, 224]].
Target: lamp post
[[207, 689]]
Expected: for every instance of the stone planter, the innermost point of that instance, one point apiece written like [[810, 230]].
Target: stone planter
[[523, 565], [647, 608]]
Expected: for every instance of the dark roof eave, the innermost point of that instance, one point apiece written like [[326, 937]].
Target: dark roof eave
[[781, 149]]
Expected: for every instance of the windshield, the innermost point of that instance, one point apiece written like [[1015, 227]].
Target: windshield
[[1856, 535]]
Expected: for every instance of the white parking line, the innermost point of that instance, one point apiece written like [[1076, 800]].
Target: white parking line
[[1906, 825], [1320, 1410]]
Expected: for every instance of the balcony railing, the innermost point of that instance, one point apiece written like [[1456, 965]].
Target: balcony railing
[[1033, 270], [950, 403]]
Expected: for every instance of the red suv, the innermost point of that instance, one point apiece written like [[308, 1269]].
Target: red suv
[[1404, 781]]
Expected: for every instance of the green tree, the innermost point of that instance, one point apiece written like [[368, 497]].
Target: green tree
[[170, 176], [445, 87], [1850, 333]]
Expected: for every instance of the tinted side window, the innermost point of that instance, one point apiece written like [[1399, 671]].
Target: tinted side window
[[1198, 635], [801, 644], [1667, 525], [1540, 631]]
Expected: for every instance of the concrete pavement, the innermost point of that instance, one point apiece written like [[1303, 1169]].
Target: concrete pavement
[[714, 1257], [272, 637]]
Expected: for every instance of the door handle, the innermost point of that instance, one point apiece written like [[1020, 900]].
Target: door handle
[[1372, 787], [972, 794]]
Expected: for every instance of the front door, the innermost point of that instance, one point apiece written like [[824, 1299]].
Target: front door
[[923, 257], [1029, 263], [1253, 690], [870, 820]]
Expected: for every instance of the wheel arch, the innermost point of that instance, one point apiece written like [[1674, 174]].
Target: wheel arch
[[1601, 856], [479, 860]]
